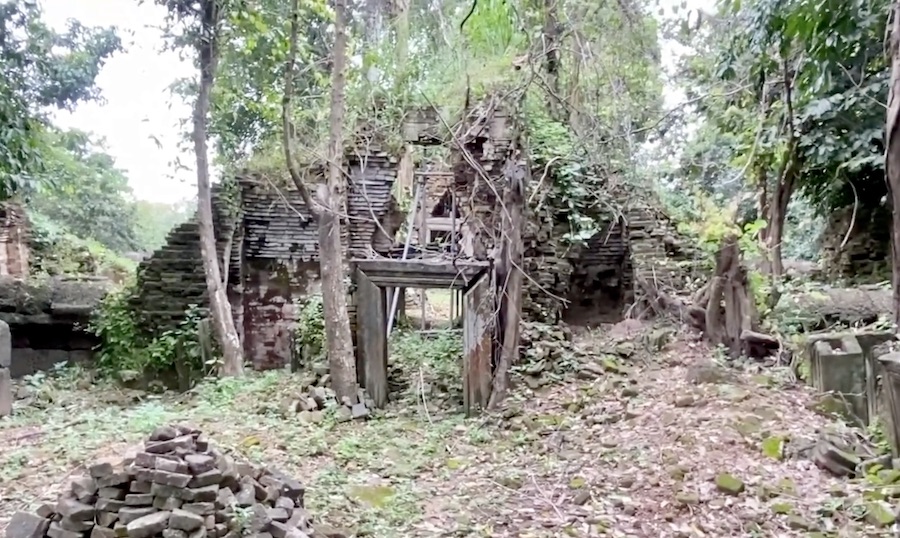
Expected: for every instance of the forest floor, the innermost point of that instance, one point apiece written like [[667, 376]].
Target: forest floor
[[635, 452]]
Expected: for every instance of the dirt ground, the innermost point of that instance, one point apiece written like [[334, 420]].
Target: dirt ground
[[634, 452]]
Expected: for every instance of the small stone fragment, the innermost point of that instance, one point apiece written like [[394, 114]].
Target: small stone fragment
[[128, 514], [799, 524], [166, 503], [880, 514], [729, 484], [149, 525], [171, 466], [201, 508], [55, 531], [164, 433], [73, 509], [101, 469], [687, 499], [117, 478], [177, 480], [138, 499], [213, 476], [359, 411], [83, 486], [102, 532], [75, 526], [25, 525], [106, 519], [200, 463], [185, 521], [581, 497]]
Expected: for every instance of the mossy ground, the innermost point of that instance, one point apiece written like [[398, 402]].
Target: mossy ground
[[611, 456]]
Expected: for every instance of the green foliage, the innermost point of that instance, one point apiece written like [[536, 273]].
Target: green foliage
[[833, 52], [81, 189], [155, 220], [56, 251], [41, 68], [438, 356], [127, 347], [310, 333]]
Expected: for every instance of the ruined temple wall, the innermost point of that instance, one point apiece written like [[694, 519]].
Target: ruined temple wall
[[279, 260], [172, 278], [371, 208], [47, 320], [278, 267], [601, 275], [865, 257], [14, 249], [272, 296]]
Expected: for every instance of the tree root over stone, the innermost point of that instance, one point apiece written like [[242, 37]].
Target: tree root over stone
[[723, 309]]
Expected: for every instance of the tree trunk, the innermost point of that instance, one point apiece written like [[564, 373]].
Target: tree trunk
[[892, 157], [339, 340], [327, 208], [550, 33], [509, 269], [334, 295], [220, 307], [775, 219]]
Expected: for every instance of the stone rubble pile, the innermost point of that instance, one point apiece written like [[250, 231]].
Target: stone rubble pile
[[542, 342], [177, 487]]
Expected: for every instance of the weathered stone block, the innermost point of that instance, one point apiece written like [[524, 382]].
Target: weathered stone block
[[5, 345], [25, 525], [838, 365], [6, 395]]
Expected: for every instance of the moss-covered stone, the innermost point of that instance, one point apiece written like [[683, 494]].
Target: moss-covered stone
[[880, 514], [729, 484], [687, 499], [782, 508], [799, 524], [889, 476]]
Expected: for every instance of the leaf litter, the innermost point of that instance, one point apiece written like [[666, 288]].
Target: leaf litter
[[671, 445]]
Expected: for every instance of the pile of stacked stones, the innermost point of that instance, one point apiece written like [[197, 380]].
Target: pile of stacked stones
[[543, 347], [177, 487]]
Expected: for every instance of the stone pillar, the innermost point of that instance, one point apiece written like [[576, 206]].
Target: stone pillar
[[890, 366], [6, 397], [838, 365]]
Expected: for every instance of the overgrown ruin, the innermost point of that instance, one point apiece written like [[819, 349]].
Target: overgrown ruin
[[270, 243], [47, 316]]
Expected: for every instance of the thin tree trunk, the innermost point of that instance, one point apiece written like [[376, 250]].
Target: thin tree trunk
[[510, 290], [327, 208], [551, 59], [892, 157], [220, 307], [338, 336], [781, 197]]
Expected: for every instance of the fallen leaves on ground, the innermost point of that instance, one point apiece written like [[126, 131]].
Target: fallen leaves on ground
[[654, 450]]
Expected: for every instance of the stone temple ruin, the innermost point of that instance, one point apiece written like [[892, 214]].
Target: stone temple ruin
[[42, 320], [270, 246]]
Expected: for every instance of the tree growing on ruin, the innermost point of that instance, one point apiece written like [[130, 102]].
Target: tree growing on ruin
[[204, 20], [325, 208]]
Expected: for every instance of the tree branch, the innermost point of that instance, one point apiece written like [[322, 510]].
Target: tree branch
[[287, 126]]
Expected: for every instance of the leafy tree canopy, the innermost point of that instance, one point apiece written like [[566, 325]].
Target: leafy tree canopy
[[41, 69], [766, 71], [80, 188]]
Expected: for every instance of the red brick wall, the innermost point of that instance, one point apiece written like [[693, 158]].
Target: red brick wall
[[271, 294]]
